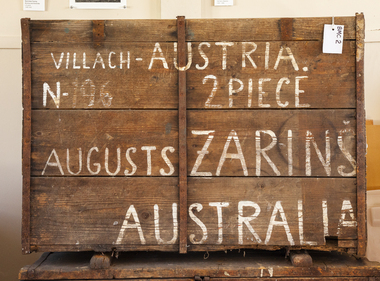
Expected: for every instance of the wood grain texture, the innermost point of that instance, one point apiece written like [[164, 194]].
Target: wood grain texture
[[77, 213], [26, 133], [262, 29], [361, 140], [129, 266], [139, 87], [90, 134], [244, 127], [182, 136]]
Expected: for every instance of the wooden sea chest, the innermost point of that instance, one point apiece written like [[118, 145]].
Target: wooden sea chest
[[192, 135]]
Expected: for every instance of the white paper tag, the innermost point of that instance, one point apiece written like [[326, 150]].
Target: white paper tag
[[34, 5], [333, 39], [223, 2]]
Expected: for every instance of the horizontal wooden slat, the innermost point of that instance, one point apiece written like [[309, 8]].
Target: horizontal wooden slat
[[219, 133], [196, 30], [220, 143], [263, 29], [115, 30], [103, 78], [147, 134], [86, 212]]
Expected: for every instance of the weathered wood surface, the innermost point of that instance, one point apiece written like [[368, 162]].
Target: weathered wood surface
[[361, 139], [272, 133], [197, 30], [241, 143], [102, 139], [81, 212], [246, 80], [245, 265], [26, 133]]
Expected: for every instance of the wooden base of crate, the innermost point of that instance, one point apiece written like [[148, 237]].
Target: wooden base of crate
[[241, 264]]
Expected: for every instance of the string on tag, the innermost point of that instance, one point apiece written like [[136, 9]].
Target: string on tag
[[333, 25]]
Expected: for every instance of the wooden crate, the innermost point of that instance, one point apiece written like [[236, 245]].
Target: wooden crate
[[243, 266], [192, 135]]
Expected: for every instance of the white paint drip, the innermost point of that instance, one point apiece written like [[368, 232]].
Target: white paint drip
[[262, 151], [202, 153], [199, 208], [126, 225], [278, 209], [245, 220], [239, 155], [219, 206], [157, 225], [167, 161]]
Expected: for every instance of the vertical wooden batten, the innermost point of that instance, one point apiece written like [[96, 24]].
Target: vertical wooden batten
[[361, 137], [27, 125], [181, 29]]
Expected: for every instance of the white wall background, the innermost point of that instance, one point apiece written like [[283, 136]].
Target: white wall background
[[11, 259]]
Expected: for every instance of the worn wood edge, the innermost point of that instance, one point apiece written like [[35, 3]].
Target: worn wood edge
[[298, 28], [170, 36], [26, 134], [182, 137], [105, 248], [361, 138], [28, 271]]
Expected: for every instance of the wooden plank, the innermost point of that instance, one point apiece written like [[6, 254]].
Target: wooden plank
[[182, 137], [132, 76], [262, 29], [271, 143], [96, 211], [231, 143], [75, 31], [78, 213], [361, 137], [147, 83], [26, 134], [104, 143], [263, 197], [264, 264], [272, 84]]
